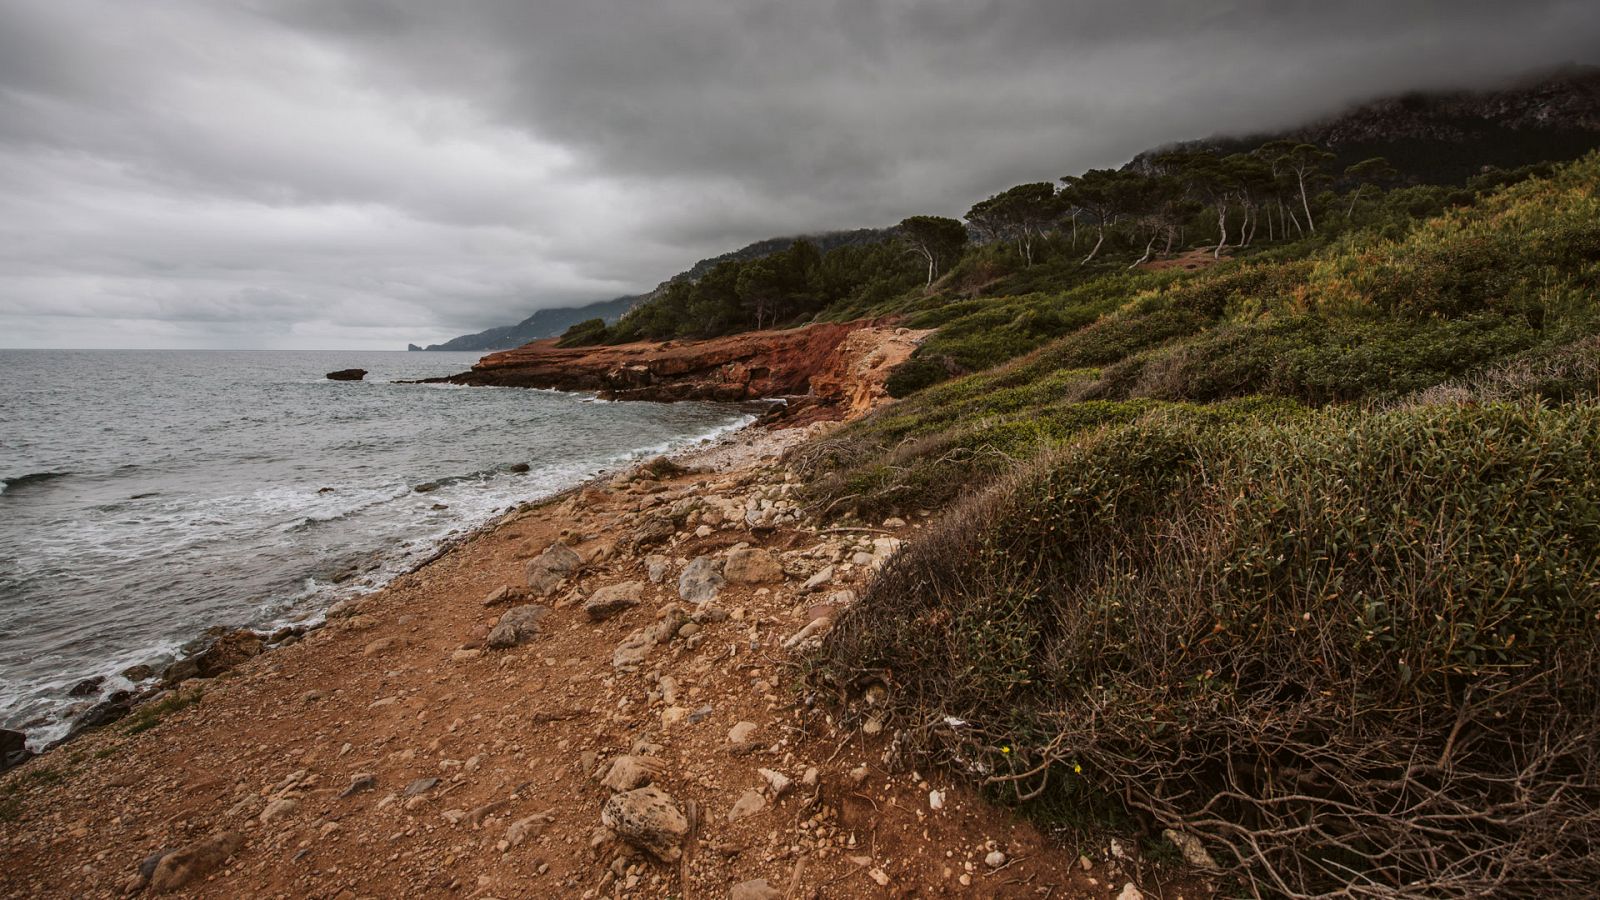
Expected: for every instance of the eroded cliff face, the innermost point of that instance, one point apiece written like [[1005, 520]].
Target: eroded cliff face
[[825, 371]]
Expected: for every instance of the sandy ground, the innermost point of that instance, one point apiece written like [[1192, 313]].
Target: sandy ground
[[391, 753]]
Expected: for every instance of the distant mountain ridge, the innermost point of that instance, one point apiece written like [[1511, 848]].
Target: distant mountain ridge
[[542, 324], [547, 323], [1445, 137]]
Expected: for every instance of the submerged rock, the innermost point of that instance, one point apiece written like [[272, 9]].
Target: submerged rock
[[347, 375], [87, 687]]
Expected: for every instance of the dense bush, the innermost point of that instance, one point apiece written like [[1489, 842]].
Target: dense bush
[[584, 334], [915, 374], [1350, 651]]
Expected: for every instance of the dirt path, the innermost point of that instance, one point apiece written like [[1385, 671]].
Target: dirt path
[[392, 753]]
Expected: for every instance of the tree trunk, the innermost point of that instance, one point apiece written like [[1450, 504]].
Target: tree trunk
[[1146, 257], [1306, 201], [1096, 248], [1222, 230], [1353, 198]]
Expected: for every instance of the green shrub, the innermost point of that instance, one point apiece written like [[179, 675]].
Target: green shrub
[[917, 373], [584, 334], [1349, 650]]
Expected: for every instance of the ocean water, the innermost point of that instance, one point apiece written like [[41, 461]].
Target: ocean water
[[149, 495]]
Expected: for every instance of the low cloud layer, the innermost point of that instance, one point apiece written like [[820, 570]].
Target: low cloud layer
[[363, 173]]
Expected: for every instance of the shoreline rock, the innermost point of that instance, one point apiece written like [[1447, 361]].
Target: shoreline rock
[[825, 370]]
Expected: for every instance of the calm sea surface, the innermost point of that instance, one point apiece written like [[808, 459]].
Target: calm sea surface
[[149, 495]]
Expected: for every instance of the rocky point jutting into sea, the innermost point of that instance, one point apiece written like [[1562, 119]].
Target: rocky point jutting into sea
[[824, 371]]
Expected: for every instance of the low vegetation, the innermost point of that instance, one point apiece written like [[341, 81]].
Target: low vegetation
[[150, 715], [1298, 555], [1342, 648], [1328, 328]]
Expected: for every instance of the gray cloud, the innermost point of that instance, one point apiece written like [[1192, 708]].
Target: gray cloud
[[365, 173]]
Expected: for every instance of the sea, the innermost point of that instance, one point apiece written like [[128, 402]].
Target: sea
[[151, 495]]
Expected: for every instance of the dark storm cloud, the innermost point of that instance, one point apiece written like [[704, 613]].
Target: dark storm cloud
[[357, 172]]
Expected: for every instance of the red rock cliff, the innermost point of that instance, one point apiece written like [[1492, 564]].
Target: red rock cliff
[[826, 370]]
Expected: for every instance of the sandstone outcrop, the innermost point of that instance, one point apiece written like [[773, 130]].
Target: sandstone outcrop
[[825, 371]]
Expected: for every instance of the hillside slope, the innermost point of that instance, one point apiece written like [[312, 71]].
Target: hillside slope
[[549, 323], [1297, 559], [1446, 137]]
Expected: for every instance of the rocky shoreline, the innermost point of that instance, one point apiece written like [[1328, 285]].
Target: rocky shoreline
[[825, 371], [600, 694], [594, 696]]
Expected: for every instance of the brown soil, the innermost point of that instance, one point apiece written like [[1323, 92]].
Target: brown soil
[[386, 689], [1193, 260]]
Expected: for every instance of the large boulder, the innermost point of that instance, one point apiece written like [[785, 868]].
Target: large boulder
[[182, 868], [647, 818], [347, 375], [560, 558], [518, 625], [752, 565], [612, 599], [13, 748], [700, 580], [103, 713], [180, 670], [655, 530], [548, 570], [227, 652]]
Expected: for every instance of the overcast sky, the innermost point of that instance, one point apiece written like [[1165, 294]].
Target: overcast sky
[[366, 173]]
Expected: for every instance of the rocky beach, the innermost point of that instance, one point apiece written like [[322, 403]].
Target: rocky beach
[[601, 694], [597, 696]]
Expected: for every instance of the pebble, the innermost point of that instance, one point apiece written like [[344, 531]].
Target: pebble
[[750, 803], [742, 733], [755, 889], [420, 786], [279, 808], [364, 781]]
